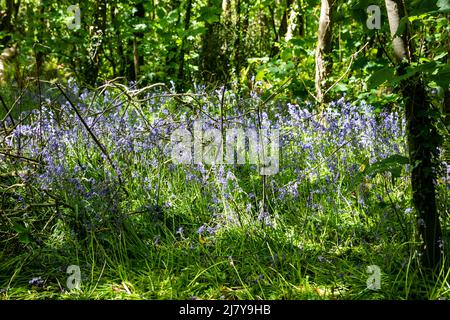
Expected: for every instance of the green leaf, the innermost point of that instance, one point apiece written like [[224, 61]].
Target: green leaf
[[417, 7], [24, 238], [442, 77], [260, 75], [19, 228], [341, 87], [160, 12], [392, 164], [402, 27]]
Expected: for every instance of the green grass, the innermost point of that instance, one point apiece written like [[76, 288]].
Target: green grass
[[235, 265]]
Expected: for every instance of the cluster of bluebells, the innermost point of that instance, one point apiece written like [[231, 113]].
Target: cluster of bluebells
[[313, 147], [37, 281], [73, 165], [325, 146]]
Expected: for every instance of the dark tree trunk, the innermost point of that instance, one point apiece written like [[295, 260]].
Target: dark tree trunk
[[300, 20], [284, 21], [187, 22], [279, 35], [423, 141], [213, 63], [121, 54]]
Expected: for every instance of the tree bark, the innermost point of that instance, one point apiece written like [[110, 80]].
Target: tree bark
[[323, 58], [423, 141], [213, 62], [282, 29]]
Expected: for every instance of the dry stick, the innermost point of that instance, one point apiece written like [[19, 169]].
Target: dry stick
[[20, 157], [99, 144], [28, 207]]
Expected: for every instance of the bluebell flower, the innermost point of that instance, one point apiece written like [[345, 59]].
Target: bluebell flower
[[201, 229], [38, 282]]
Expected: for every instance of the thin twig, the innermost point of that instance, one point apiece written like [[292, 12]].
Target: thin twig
[[352, 58]]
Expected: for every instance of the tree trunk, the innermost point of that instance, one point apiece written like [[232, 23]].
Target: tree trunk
[[300, 20], [187, 22], [213, 62], [282, 29], [138, 59], [324, 47], [237, 41], [284, 21], [423, 141], [91, 66]]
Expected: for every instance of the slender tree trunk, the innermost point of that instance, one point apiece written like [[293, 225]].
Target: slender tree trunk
[[324, 47], [237, 40], [282, 29], [138, 59], [284, 21], [300, 20], [91, 66], [213, 62], [39, 50], [422, 142], [446, 107], [187, 22], [7, 16]]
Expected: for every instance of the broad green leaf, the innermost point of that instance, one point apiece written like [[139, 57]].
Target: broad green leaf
[[444, 5], [19, 228]]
